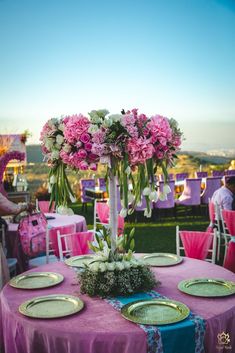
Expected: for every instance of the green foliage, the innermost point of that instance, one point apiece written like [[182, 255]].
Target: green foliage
[[114, 283]]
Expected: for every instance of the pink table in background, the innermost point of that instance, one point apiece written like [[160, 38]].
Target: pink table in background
[[99, 328], [13, 242]]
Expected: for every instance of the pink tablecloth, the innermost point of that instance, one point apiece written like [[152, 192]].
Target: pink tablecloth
[[13, 242], [99, 328]]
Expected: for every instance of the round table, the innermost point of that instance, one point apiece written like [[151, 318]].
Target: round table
[[99, 328], [13, 242]]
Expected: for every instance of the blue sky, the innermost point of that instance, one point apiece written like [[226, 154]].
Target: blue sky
[[172, 57]]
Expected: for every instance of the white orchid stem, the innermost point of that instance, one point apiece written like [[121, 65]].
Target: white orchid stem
[[113, 215]]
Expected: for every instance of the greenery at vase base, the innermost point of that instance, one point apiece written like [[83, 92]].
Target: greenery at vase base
[[114, 283], [115, 272]]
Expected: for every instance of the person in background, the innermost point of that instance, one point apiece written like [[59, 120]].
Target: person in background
[[224, 196], [10, 208]]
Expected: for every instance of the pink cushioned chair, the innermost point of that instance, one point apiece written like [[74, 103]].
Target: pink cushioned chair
[[102, 184], [181, 176], [44, 206], [216, 173], [101, 216], [229, 259], [196, 245], [74, 243], [191, 195], [201, 174], [86, 184], [212, 184]]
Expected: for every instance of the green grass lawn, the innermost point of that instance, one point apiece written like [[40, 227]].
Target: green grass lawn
[[158, 235]]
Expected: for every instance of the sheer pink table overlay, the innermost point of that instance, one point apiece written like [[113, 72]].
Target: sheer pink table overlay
[[99, 328]]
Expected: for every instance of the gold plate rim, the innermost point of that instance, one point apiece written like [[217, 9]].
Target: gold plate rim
[[23, 307], [70, 261], [183, 286], [178, 258], [125, 311], [14, 282]]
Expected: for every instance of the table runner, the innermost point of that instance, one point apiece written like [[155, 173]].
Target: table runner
[[186, 336]]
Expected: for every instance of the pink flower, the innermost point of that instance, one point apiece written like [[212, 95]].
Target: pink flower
[[88, 146], [93, 166], [83, 165], [99, 136], [75, 126], [85, 138], [81, 154], [139, 150]]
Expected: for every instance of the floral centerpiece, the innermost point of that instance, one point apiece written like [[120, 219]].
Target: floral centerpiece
[[115, 272], [132, 146]]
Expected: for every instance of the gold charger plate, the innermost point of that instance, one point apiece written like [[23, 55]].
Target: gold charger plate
[[80, 260], [155, 311], [51, 306], [207, 287], [36, 280], [162, 259]]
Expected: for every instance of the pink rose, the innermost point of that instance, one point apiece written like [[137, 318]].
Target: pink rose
[[85, 138]]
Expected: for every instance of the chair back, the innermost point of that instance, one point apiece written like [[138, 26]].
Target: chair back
[[170, 201], [212, 184], [201, 174], [191, 195], [230, 172], [196, 245], [216, 173], [181, 176], [170, 177], [52, 240], [102, 184], [86, 184], [101, 216], [74, 244], [44, 206], [229, 219]]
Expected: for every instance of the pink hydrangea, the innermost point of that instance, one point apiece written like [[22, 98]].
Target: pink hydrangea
[[139, 150]]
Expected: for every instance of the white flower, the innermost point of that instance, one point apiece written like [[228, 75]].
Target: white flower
[[131, 198], [107, 123], [92, 129], [166, 189], [52, 122], [123, 212], [49, 142], [102, 266], [53, 179], [55, 154], [153, 196], [162, 196], [139, 204], [59, 139], [110, 266], [126, 264], [67, 148], [134, 263], [146, 191], [128, 170], [119, 266], [147, 213], [94, 267], [49, 187], [61, 127], [115, 117], [72, 198]]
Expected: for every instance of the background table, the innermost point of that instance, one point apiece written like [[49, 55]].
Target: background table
[[99, 328], [14, 248]]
